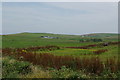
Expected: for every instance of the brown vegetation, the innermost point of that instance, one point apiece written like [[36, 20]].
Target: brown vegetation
[[91, 65]]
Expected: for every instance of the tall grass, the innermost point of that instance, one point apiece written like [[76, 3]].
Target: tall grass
[[91, 65]]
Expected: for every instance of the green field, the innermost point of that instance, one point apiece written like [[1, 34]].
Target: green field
[[62, 57], [33, 39]]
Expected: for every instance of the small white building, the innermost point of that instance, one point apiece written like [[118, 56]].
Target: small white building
[[49, 37]]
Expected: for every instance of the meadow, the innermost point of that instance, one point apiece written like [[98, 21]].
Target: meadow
[[31, 55]]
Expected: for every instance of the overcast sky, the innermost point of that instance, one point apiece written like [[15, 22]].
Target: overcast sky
[[60, 17]]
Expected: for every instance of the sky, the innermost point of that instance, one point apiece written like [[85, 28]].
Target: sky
[[0, 18], [60, 17]]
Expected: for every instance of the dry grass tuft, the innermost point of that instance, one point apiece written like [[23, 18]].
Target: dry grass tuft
[[37, 73]]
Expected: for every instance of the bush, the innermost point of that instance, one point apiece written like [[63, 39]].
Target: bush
[[12, 68], [67, 73], [22, 67], [63, 72], [96, 40]]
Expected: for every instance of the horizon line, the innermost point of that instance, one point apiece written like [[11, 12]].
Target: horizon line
[[60, 33]]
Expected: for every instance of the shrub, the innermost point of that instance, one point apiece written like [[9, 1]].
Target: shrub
[[64, 72], [68, 73], [22, 67], [12, 68]]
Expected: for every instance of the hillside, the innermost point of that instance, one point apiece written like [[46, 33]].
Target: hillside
[[102, 35], [37, 39]]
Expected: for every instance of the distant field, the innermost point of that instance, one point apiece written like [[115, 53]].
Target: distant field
[[34, 39]]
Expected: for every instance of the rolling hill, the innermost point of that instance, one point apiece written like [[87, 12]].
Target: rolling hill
[[35, 39]]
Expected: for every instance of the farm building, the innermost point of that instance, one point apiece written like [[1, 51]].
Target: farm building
[[49, 37]]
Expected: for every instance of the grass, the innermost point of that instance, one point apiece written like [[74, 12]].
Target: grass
[[66, 51], [33, 39], [112, 52], [93, 64], [59, 58], [13, 69], [37, 72], [88, 71]]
